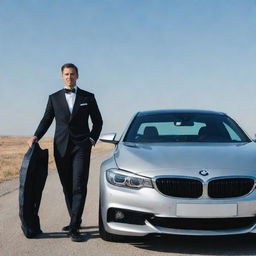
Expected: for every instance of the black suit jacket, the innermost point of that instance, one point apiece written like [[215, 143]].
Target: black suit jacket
[[71, 126]]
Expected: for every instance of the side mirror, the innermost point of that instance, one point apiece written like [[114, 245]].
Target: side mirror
[[109, 138]]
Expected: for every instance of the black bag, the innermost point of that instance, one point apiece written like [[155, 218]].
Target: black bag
[[33, 174]]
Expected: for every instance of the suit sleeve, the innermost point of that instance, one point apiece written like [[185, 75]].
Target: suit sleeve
[[96, 120], [46, 120]]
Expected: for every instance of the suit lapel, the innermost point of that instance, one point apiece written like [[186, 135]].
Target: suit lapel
[[78, 100], [64, 104]]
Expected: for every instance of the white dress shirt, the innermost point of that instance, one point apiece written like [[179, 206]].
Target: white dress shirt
[[71, 97]]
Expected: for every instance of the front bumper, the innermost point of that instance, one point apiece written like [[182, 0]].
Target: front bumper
[[135, 230], [154, 205]]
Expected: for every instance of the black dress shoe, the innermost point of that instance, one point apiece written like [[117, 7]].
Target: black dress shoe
[[76, 236], [31, 233], [67, 228]]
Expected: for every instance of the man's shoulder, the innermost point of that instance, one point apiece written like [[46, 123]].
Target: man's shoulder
[[56, 93], [84, 93]]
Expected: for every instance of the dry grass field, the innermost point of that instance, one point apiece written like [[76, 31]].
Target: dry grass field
[[13, 148]]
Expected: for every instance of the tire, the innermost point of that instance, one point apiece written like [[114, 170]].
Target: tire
[[104, 234]]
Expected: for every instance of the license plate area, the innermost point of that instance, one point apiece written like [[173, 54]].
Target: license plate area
[[206, 210]]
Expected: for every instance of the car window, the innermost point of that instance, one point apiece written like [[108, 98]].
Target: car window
[[167, 128], [183, 127], [233, 135]]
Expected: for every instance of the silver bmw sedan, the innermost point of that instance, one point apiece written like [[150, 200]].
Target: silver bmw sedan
[[183, 172]]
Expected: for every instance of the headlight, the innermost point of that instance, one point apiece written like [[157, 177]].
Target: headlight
[[127, 179]]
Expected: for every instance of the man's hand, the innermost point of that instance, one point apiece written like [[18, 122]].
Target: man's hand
[[92, 141], [32, 140]]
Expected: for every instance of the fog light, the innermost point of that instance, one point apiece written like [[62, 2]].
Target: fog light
[[128, 216], [119, 215]]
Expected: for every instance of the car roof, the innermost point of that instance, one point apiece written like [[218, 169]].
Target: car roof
[[178, 111]]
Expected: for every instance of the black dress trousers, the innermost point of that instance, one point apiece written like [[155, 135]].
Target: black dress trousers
[[73, 170]]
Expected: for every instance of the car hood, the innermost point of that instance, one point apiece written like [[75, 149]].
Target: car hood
[[220, 159]]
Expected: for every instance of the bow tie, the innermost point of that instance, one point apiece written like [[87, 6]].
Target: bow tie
[[70, 90]]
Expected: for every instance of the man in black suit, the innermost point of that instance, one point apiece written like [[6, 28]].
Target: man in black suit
[[71, 107]]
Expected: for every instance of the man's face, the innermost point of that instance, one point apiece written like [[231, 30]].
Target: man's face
[[69, 77]]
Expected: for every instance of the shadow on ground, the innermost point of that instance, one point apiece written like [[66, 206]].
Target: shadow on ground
[[202, 245], [92, 232], [218, 245], [87, 233]]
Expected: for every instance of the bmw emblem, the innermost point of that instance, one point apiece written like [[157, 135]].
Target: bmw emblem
[[204, 172]]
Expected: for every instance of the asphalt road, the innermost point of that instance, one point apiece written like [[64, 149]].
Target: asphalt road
[[53, 241]]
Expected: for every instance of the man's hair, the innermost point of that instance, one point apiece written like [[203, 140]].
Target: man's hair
[[69, 65]]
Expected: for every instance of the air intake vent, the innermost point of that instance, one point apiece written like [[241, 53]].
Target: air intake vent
[[232, 187], [179, 187]]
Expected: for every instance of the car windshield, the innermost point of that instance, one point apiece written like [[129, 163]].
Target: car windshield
[[184, 127]]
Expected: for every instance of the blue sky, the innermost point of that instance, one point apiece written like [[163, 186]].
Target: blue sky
[[132, 54]]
